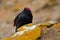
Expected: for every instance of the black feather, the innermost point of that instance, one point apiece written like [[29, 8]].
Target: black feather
[[25, 17]]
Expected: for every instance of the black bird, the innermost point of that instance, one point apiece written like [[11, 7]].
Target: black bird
[[25, 17]]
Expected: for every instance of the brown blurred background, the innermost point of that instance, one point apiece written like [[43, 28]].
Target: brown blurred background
[[43, 10]]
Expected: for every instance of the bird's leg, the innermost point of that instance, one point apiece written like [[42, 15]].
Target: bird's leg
[[16, 30]]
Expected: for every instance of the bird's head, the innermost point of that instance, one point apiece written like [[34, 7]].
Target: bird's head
[[27, 9]]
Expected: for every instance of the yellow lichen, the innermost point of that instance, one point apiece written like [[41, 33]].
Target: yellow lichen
[[57, 25], [28, 35]]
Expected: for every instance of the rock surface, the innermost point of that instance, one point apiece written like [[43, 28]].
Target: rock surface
[[43, 10]]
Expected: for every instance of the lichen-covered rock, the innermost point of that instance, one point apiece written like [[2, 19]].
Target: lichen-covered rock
[[52, 33], [28, 33]]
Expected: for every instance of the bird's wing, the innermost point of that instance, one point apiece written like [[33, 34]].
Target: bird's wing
[[16, 19], [19, 18]]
